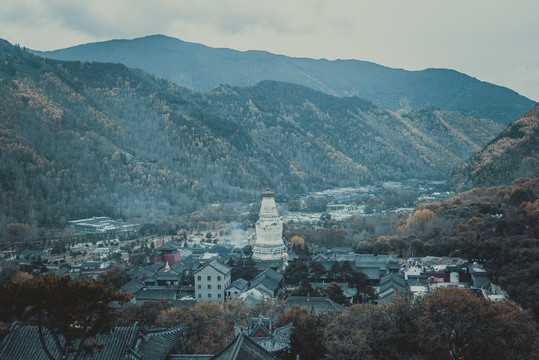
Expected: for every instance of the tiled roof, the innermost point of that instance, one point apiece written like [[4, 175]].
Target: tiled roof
[[167, 275], [178, 267], [147, 271], [243, 348], [155, 295], [62, 271], [373, 273], [265, 282], [275, 339], [239, 284], [23, 343], [318, 304], [132, 287], [187, 304], [389, 284], [158, 343], [268, 278], [272, 274], [219, 266]]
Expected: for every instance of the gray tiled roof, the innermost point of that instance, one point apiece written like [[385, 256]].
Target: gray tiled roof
[[239, 284], [167, 275], [155, 295], [318, 304], [373, 273], [243, 348], [23, 343], [158, 343], [389, 284], [219, 266], [268, 278], [132, 287], [147, 271]]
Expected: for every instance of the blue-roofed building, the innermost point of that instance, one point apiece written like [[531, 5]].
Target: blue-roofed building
[[122, 343]]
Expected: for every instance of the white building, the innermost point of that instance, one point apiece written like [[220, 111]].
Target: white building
[[269, 231], [211, 282]]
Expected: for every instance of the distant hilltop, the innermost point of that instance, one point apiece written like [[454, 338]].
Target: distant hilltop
[[203, 68]]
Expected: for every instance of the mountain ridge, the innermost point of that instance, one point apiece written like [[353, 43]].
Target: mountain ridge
[[82, 139], [203, 68], [514, 153]]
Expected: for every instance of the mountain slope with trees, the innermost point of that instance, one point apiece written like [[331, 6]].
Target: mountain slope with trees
[[512, 154], [203, 68], [92, 139]]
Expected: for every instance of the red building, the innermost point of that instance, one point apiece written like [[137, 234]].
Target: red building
[[168, 252]]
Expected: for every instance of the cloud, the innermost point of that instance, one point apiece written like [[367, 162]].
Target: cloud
[[483, 41]]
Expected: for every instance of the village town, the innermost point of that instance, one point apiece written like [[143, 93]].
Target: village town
[[260, 269]]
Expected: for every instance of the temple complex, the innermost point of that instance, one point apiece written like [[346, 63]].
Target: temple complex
[[269, 231]]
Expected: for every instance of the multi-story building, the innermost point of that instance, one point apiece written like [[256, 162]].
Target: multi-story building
[[211, 282]]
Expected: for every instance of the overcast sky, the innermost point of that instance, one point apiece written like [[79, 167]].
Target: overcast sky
[[492, 40]]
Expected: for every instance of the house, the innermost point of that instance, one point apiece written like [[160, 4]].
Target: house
[[267, 282], [235, 289], [92, 269], [147, 271], [211, 282], [253, 296], [167, 277], [101, 225], [145, 294], [28, 256], [263, 331], [132, 286], [390, 284], [479, 276], [122, 343]]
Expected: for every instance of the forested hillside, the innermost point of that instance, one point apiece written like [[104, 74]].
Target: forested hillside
[[88, 139], [512, 154], [203, 68], [424, 143]]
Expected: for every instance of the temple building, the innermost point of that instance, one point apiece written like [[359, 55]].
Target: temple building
[[269, 231], [263, 331], [168, 253]]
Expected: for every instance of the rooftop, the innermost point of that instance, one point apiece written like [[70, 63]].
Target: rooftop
[[23, 343]]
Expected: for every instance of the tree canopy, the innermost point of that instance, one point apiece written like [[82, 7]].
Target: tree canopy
[[72, 311]]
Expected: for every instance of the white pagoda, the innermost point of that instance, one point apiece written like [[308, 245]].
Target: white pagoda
[[269, 231]]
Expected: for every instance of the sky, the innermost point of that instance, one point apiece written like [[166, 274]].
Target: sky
[[495, 41]]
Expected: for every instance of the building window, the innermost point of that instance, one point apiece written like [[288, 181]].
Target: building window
[[209, 287], [209, 278], [218, 278], [219, 296], [199, 277], [219, 287], [199, 295], [200, 286], [209, 296]]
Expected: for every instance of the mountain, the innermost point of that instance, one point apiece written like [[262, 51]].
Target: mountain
[[511, 155], [427, 142], [81, 139], [203, 68]]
